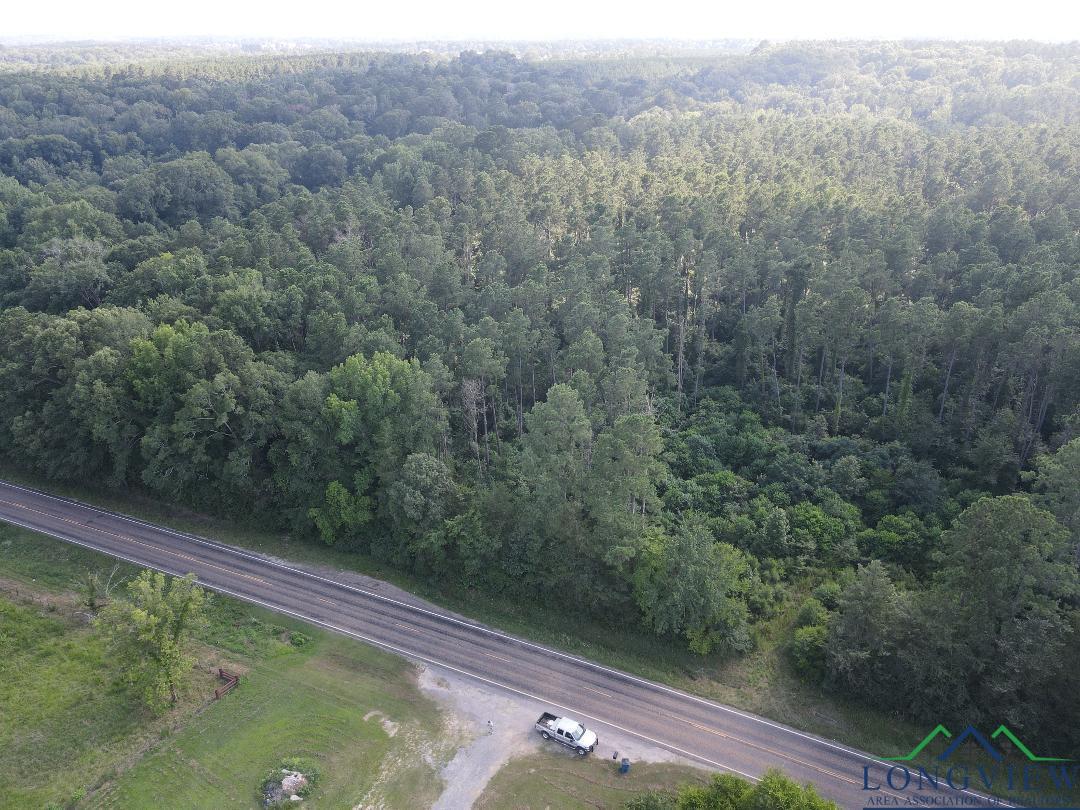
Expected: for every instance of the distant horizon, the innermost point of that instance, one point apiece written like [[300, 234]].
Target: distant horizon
[[677, 41], [111, 21]]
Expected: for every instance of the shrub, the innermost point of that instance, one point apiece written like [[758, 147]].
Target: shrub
[[299, 639], [828, 593], [808, 650], [811, 612], [653, 800]]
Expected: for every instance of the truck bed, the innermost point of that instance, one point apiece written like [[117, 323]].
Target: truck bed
[[547, 720]]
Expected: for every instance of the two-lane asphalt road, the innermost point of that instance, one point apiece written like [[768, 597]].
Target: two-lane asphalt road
[[603, 698]]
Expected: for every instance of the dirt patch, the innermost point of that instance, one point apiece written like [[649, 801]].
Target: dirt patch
[[25, 593], [388, 725], [485, 749]]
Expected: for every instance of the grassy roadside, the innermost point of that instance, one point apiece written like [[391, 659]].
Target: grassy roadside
[[553, 779], [762, 682], [71, 737]]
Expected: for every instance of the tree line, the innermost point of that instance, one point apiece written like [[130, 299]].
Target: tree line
[[670, 339]]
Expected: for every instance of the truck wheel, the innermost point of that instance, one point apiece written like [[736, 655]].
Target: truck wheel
[[582, 752], [545, 735]]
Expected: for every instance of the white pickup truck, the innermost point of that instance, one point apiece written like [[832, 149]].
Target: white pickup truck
[[568, 732]]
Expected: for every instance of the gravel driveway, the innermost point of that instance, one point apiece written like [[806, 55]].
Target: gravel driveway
[[471, 705]]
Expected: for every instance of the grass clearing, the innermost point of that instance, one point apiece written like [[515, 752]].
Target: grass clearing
[[553, 779], [309, 704], [72, 737], [66, 724], [762, 682]]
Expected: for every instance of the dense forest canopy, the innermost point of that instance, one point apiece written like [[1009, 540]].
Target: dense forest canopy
[[678, 338]]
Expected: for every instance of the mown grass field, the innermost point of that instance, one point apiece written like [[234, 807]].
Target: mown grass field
[[762, 681], [72, 737], [551, 779]]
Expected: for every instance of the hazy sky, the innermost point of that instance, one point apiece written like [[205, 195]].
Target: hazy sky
[[544, 19]]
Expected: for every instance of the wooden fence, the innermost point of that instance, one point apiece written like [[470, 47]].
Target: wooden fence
[[230, 682]]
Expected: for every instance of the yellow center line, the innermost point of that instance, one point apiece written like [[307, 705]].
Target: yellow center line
[[597, 691], [127, 539], [766, 749], [412, 629], [328, 601]]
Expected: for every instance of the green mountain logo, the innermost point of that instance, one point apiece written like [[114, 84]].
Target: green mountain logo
[[970, 731], [1003, 731], [938, 729]]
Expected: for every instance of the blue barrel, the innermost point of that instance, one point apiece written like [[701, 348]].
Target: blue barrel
[[624, 766]]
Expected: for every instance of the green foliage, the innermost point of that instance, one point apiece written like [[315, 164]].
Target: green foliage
[[1056, 489], [656, 339], [690, 585], [299, 639], [828, 594], [811, 612], [725, 791], [808, 644], [343, 513], [72, 273], [68, 730], [419, 502], [95, 588], [777, 792], [1006, 580], [986, 638], [865, 649], [149, 634], [653, 800], [902, 539], [728, 792], [815, 533]]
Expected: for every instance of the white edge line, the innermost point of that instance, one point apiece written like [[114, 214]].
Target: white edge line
[[385, 645], [407, 654], [264, 559]]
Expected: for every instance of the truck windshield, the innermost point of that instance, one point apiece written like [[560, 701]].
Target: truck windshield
[[577, 732]]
